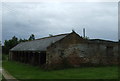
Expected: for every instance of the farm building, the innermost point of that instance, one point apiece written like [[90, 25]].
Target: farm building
[[65, 50]]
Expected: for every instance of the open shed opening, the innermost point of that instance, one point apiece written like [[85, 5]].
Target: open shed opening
[[42, 58]]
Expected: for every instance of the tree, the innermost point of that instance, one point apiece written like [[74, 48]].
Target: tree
[[22, 40], [8, 44], [32, 37]]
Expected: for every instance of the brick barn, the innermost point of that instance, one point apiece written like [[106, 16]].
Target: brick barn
[[65, 50]]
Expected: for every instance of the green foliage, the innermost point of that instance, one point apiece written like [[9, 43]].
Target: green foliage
[[24, 71], [32, 37], [22, 40], [8, 44]]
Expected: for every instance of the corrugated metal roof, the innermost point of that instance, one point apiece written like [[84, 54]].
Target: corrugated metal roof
[[101, 41], [38, 44]]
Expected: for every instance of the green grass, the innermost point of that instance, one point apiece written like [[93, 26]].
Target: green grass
[[23, 71]]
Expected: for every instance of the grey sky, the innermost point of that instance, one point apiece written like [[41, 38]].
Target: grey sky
[[22, 19]]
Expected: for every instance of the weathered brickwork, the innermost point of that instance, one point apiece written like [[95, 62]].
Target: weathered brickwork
[[75, 51]]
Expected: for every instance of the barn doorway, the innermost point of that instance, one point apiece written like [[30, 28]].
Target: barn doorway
[[42, 58]]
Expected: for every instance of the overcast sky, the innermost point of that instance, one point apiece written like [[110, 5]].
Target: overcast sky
[[100, 19]]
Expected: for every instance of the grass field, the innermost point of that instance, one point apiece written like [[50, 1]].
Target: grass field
[[23, 71]]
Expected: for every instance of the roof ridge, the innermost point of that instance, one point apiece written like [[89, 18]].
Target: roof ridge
[[52, 36], [46, 37], [102, 40]]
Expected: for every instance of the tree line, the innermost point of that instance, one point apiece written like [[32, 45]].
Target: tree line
[[8, 44]]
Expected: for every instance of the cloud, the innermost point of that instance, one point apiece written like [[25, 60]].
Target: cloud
[[42, 19]]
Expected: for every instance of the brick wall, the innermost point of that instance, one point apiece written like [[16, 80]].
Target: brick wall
[[75, 51]]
